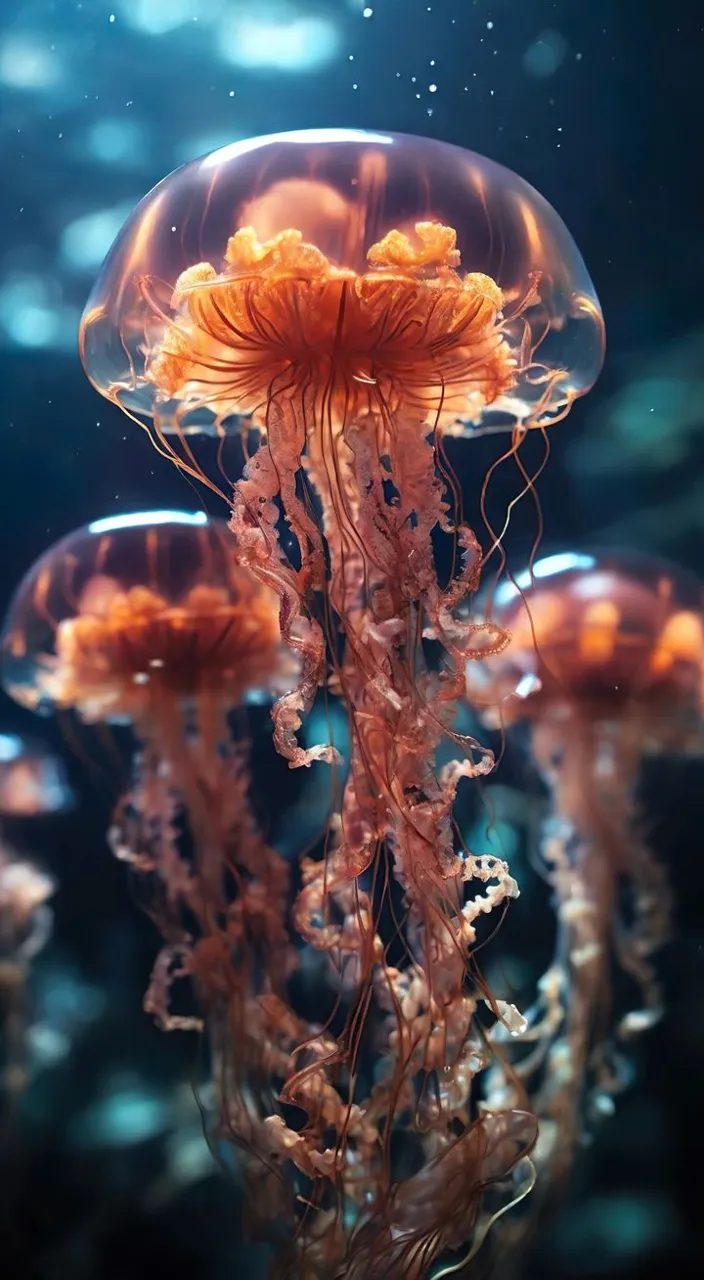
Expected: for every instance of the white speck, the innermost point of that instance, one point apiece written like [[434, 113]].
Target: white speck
[[355, 86], [231, 93], [173, 228], [351, 58], [432, 88], [367, 13], [111, 18], [578, 57], [490, 26]]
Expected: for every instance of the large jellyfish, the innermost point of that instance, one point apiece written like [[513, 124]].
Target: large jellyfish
[[353, 298], [606, 666]]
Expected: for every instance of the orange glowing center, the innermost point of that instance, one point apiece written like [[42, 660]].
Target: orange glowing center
[[141, 642], [281, 321]]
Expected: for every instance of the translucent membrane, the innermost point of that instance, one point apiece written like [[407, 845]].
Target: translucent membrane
[[343, 192], [135, 607], [607, 629]]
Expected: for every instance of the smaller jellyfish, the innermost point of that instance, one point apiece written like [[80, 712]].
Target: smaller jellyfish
[[148, 620], [605, 665], [25, 928], [33, 782]]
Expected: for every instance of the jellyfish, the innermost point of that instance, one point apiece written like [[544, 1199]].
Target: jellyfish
[[26, 922], [606, 667], [33, 781], [147, 620], [347, 300]]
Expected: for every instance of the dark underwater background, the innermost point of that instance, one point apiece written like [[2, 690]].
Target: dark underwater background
[[104, 1171]]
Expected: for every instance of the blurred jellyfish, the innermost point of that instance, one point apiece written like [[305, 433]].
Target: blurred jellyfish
[[33, 782], [25, 928], [605, 663], [150, 620], [354, 297]]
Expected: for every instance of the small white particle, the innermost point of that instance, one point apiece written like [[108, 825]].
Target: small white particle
[[367, 13], [112, 17], [490, 26], [432, 88], [231, 93]]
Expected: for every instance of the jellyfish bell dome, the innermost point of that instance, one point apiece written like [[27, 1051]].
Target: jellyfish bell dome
[[600, 632], [358, 205], [140, 607]]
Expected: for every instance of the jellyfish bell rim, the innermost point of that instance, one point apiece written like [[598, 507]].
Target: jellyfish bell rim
[[625, 561]]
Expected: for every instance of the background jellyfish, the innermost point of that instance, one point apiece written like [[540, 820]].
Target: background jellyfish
[[33, 781], [32, 784], [148, 620], [605, 664], [25, 928], [354, 297]]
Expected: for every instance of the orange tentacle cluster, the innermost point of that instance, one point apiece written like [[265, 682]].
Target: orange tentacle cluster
[[410, 334]]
